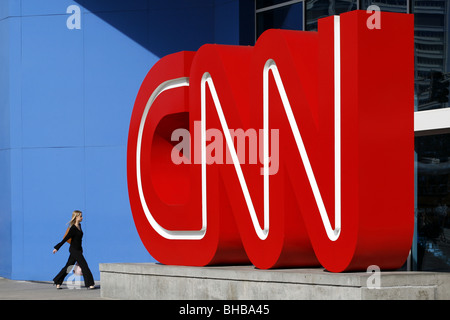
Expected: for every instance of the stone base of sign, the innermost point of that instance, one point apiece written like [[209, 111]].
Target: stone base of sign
[[156, 281]]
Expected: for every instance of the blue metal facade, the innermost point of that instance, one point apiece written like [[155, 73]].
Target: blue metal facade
[[66, 97]]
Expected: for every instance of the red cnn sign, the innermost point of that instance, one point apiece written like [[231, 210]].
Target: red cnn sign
[[332, 116]]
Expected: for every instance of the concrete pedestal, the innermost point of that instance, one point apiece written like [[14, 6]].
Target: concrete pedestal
[[156, 281]]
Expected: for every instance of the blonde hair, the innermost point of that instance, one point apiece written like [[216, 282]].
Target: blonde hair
[[75, 214]]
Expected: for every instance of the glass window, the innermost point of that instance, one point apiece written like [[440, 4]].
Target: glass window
[[286, 17], [317, 9], [387, 5], [431, 20], [433, 202]]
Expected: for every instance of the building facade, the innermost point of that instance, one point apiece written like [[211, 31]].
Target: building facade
[[70, 71]]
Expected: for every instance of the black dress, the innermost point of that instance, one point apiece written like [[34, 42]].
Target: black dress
[[76, 255]]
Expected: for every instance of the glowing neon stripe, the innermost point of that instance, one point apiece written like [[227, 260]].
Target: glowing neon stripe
[[333, 234], [168, 234]]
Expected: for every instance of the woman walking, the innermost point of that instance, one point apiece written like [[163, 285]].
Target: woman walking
[[76, 252]]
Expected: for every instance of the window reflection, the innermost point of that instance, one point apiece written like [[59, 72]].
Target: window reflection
[[317, 9], [387, 5], [433, 202], [431, 44]]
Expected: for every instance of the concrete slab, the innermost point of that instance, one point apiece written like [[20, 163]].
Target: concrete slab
[[156, 281], [40, 290]]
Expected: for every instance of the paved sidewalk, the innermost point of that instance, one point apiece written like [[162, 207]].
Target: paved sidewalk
[[37, 290]]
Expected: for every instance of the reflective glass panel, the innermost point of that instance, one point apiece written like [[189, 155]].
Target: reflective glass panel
[[431, 19], [433, 203], [386, 5], [316, 9]]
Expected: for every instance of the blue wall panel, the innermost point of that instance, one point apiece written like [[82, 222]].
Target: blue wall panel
[[9, 9], [45, 7], [180, 28], [53, 186], [112, 75], [114, 5], [107, 209], [5, 214], [17, 215], [4, 86], [52, 83], [8, 29], [226, 24], [14, 47], [66, 98]]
